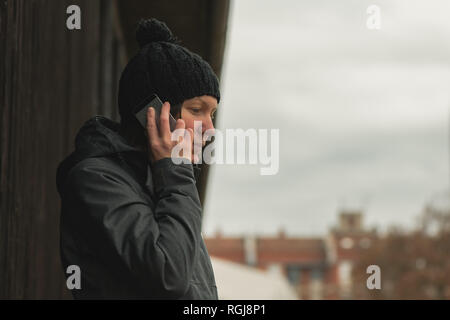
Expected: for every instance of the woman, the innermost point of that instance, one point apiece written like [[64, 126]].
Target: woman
[[130, 216]]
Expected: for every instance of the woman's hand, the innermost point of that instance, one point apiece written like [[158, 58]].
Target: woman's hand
[[160, 143]]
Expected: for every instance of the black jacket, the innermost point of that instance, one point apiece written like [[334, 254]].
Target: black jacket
[[133, 228]]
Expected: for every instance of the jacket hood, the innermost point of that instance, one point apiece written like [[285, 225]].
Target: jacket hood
[[98, 137]]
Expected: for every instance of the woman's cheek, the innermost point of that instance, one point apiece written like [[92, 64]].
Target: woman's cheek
[[189, 123]]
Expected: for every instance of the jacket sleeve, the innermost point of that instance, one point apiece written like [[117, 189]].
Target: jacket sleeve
[[157, 246]]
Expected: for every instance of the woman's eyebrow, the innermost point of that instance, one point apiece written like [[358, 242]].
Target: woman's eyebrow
[[206, 104]]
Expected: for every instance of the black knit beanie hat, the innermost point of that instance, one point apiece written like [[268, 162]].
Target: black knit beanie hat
[[164, 67]]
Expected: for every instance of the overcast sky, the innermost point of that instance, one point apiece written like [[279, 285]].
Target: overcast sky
[[363, 114]]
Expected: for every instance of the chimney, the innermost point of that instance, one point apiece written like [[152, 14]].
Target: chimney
[[250, 250], [218, 233], [350, 221], [281, 233]]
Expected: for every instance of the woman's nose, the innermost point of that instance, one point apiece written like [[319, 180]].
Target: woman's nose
[[211, 131], [208, 125]]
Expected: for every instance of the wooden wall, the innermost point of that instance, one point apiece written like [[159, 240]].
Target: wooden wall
[[51, 80]]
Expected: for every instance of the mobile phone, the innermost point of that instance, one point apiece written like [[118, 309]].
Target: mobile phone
[[152, 101]]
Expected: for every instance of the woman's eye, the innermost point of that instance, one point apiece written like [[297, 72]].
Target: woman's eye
[[195, 110]]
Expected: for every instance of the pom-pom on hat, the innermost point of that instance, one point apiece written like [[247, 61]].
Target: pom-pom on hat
[[164, 67]]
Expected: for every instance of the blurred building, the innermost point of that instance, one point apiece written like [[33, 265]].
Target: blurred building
[[258, 284], [317, 268]]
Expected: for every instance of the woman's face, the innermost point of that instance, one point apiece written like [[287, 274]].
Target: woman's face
[[200, 108]]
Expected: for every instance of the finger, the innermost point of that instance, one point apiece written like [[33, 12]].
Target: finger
[[164, 122], [195, 158], [188, 138], [188, 142], [177, 134], [180, 124], [191, 134], [181, 136], [152, 130]]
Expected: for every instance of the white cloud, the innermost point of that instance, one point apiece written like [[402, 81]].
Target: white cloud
[[362, 114]]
